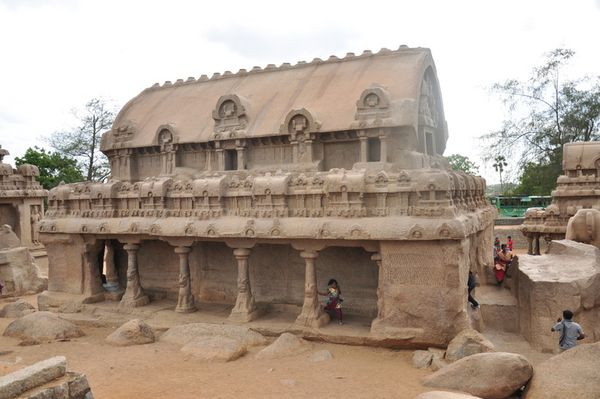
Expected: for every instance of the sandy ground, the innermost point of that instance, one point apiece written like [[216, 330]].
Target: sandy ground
[[160, 370]]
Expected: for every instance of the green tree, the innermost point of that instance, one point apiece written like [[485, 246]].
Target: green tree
[[499, 165], [543, 114], [83, 142], [53, 167], [461, 163]]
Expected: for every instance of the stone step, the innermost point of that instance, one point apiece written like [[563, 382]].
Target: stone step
[[499, 309]]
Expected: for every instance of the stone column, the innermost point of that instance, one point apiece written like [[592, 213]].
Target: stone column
[[245, 309], [185, 301], [112, 278], [383, 148], [363, 147], [134, 294], [536, 248], [376, 257], [529, 245], [220, 158], [241, 159], [312, 314]]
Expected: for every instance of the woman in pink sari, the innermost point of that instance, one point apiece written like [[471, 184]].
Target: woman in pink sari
[[501, 264]]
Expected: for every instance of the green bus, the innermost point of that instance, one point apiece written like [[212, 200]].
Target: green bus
[[515, 207]]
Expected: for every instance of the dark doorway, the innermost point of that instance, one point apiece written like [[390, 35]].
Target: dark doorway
[[231, 160]]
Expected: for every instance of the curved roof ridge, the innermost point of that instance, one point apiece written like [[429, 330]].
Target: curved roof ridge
[[284, 66]]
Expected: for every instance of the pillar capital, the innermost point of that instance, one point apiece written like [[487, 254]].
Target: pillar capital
[[131, 247], [376, 257], [309, 254], [241, 252], [183, 250]]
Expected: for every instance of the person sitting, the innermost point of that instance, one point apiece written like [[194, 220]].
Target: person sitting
[[502, 263], [334, 299]]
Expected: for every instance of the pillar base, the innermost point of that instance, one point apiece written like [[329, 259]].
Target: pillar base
[[186, 309], [313, 321], [245, 316], [134, 302], [114, 296]]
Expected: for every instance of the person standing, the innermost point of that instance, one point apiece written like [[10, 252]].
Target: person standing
[[570, 332], [509, 243], [471, 284]]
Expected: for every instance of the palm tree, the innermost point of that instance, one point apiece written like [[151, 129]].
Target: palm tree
[[499, 164]]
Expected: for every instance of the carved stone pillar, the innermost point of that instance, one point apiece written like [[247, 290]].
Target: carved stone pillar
[[376, 257], [220, 158], [112, 278], [529, 245], [312, 314], [536, 247], [245, 309], [383, 148], [241, 158], [185, 301], [134, 294], [363, 146]]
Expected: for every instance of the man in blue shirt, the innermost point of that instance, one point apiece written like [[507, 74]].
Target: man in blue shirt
[[570, 332]]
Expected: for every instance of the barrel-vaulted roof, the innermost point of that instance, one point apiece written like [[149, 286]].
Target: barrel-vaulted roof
[[328, 90]]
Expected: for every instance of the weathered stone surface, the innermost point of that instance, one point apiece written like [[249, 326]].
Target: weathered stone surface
[[574, 374], [285, 345], [19, 272], [321, 356], [42, 327], [567, 277], [17, 309], [466, 343], [79, 386], [134, 332], [422, 359], [489, 375], [438, 363], [214, 348], [20, 381], [185, 333], [445, 395]]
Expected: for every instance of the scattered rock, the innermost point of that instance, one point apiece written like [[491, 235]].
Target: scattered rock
[[20, 381], [445, 395], [437, 353], [489, 375], [573, 374], [422, 359], [70, 307], [286, 345], [466, 343], [42, 327], [321, 356], [437, 363], [17, 309], [185, 333], [134, 332], [215, 348]]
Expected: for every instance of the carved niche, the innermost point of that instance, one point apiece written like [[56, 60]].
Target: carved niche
[[374, 103], [166, 140], [299, 124], [231, 116], [428, 107]]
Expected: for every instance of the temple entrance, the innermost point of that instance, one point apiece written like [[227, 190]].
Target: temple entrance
[[10, 215]]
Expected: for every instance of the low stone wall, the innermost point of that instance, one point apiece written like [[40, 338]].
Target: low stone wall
[[519, 240], [47, 379]]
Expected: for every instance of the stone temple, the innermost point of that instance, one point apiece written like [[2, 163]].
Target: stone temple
[[254, 188]]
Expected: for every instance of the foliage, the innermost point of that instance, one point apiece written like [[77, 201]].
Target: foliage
[[544, 113], [539, 178], [499, 165], [53, 167], [83, 142], [461, 163]]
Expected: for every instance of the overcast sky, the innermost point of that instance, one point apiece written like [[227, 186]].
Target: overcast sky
[[57, 54]]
